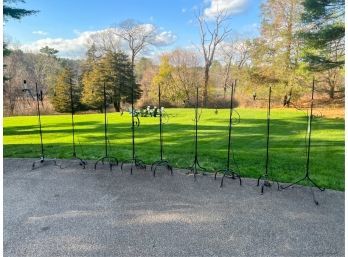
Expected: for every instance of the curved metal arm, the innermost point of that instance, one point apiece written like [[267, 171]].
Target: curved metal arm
[[165, 116], [137, 122], [235, 117]]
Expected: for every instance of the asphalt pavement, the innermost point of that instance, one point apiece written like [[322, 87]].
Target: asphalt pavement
[[70, 211]]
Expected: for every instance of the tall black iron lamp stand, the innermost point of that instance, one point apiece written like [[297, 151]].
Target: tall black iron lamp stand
[[195, 165], [265, 182], [228, 172], [74, 155], [161, 162], [134, 162], [111, 160], [38, 99], [308, 146]]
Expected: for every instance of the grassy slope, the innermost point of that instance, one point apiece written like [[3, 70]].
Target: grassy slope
[[287, 144]]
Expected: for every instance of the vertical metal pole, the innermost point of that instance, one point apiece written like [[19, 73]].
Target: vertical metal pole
[[196, 127], [72, 118], [159, 106], [309, 131], [133, 143], [105, 126], [268, 127], [39, 116], [230, 128]]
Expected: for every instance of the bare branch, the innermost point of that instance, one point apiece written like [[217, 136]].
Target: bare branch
[[137, 35]]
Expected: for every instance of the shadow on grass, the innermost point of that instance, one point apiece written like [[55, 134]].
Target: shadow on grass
[[287, 145]]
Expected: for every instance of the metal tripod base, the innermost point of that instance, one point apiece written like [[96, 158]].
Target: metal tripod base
[[111, 160], [135, 163], [193, 168], [265, 182], [44, 160], [164, 163], [310, 181], [229, 174], [82, 163]]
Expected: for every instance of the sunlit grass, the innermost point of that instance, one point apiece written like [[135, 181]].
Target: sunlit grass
[[287, 142]]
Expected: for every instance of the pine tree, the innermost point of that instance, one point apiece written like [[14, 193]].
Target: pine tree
[[324, 34], [15, 13], [49, 51], [62, 92], [323, 37], [117, 72], [92, 93], [91, 58]]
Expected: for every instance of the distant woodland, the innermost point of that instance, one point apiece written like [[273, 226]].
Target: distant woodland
[[298, 40]]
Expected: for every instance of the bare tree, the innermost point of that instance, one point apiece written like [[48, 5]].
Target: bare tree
[[145, 71], [228, 56], [42, 69], [212, 33], [137, 35], [34, 68], [105, 41], [14, 71], [235, 54], [185, 65]]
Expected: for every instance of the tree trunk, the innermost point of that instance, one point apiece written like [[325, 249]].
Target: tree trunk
[[12, 107], [332, 84], [205, 90], [117, 99], [117, 106], [12, 102], [332, 92], [187, 102]]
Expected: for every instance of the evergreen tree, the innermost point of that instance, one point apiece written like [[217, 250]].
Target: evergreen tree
[[92, 93], [324, 34], [117, 72], [323, 37], [91, 59], [62, 92], [15, 13], [49, 51]]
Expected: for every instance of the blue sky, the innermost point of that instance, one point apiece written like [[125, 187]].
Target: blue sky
[[61, 20]]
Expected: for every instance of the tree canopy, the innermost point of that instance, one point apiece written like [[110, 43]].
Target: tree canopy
[[49, 51], [116, 71], [324, 35], [14, 12], [63, 90]]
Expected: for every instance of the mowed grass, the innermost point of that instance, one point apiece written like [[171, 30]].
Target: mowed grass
[[287, 141]]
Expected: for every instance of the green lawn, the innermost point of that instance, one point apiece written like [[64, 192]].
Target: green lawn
[[287, 142]]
